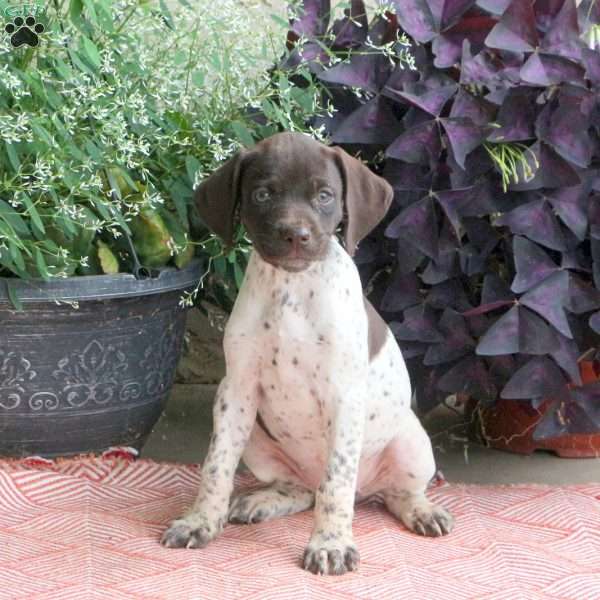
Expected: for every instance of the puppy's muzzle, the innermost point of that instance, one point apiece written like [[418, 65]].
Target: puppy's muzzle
[[292, 245]]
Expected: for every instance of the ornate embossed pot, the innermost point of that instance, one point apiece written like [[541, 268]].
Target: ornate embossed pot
[[93, 370]]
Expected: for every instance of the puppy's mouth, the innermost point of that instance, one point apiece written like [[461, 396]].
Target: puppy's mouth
[[292, 263], [290, 258]]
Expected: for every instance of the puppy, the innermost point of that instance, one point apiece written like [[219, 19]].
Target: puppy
[[316, 399]]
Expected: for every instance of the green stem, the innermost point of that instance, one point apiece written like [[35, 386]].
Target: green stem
[[127, 17]]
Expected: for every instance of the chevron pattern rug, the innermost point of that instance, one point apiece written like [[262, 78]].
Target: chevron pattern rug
[[88, 528]]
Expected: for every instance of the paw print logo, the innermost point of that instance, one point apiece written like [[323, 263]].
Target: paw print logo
[[24, 31]]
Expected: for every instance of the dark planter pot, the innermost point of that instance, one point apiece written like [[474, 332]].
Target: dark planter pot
[[80, 379], [509, 425]]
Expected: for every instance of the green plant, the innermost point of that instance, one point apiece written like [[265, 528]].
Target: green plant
[[110, 122]]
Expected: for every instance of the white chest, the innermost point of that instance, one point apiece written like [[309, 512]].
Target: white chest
[[300, 337], [319, 307]]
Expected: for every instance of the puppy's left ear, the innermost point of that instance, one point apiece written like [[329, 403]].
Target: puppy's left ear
[[367, 197]]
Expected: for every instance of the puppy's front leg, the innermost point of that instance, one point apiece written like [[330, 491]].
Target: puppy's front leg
[[331, 548], [234, 415]]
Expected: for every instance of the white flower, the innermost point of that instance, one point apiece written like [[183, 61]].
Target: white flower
[[15, 127], [42, 169]]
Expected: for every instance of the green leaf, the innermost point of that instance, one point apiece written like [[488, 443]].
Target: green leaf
[[118, 217], [180, 57], [94, 151], [174, 225], [238, 274], [182, 208], [68, 227], [243, 134], [75, 9], [14, 219], [151, 238], [78, 62], [269, 110], [280, 21], [129, 181], [12, 156], [75, 152], [62, 68], [41, 264], [100, 206], [35, 84], [17, 257], [192, 166], [304, 98], [198, 77], [215, 60], [108, 260], [60, 126], [53, 98], [91, 11], [220, 265], [70, 179], [166, 13], [13, 296], [105, 17], [178, 119], [41, 133], [50, 245], [33, 213], [91, 51], [6, 231], [184, 257], [114, 183], [180, 192]]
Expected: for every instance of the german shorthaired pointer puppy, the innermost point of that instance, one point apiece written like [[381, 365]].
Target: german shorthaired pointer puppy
[[316, 399]]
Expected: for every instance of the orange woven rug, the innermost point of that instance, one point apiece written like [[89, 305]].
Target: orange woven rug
[[89, 529]]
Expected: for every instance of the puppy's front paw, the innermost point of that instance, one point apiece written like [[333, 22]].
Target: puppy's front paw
[[334, 556], [193, 531]]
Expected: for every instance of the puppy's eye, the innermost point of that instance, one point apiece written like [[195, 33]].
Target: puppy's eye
[[325, 197], [261, 195]]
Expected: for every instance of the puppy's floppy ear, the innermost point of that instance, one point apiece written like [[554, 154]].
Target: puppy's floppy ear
[[216, 198], [367, 197]]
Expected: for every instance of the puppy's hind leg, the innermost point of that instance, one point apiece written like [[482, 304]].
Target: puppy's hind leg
[[410, 467], [284, 495], [276, 500]]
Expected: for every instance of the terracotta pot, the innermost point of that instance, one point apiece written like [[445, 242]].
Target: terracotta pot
[[509, 425]]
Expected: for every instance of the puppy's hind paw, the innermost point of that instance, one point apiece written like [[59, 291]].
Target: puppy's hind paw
[[419, 515], [434, 522], [267, 503]]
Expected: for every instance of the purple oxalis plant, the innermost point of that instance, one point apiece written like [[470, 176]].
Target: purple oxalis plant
[[487, 267]]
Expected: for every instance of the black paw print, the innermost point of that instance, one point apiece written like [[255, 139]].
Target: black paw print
[[24, 31]]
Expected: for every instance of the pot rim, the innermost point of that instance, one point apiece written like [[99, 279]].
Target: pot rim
[[100, 287]]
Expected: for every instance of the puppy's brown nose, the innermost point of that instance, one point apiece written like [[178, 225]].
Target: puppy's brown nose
[[295, 236]]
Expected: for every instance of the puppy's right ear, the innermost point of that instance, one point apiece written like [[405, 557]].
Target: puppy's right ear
[[216, 198]]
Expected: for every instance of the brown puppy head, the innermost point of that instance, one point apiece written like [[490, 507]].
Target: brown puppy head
[[292, 192]]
